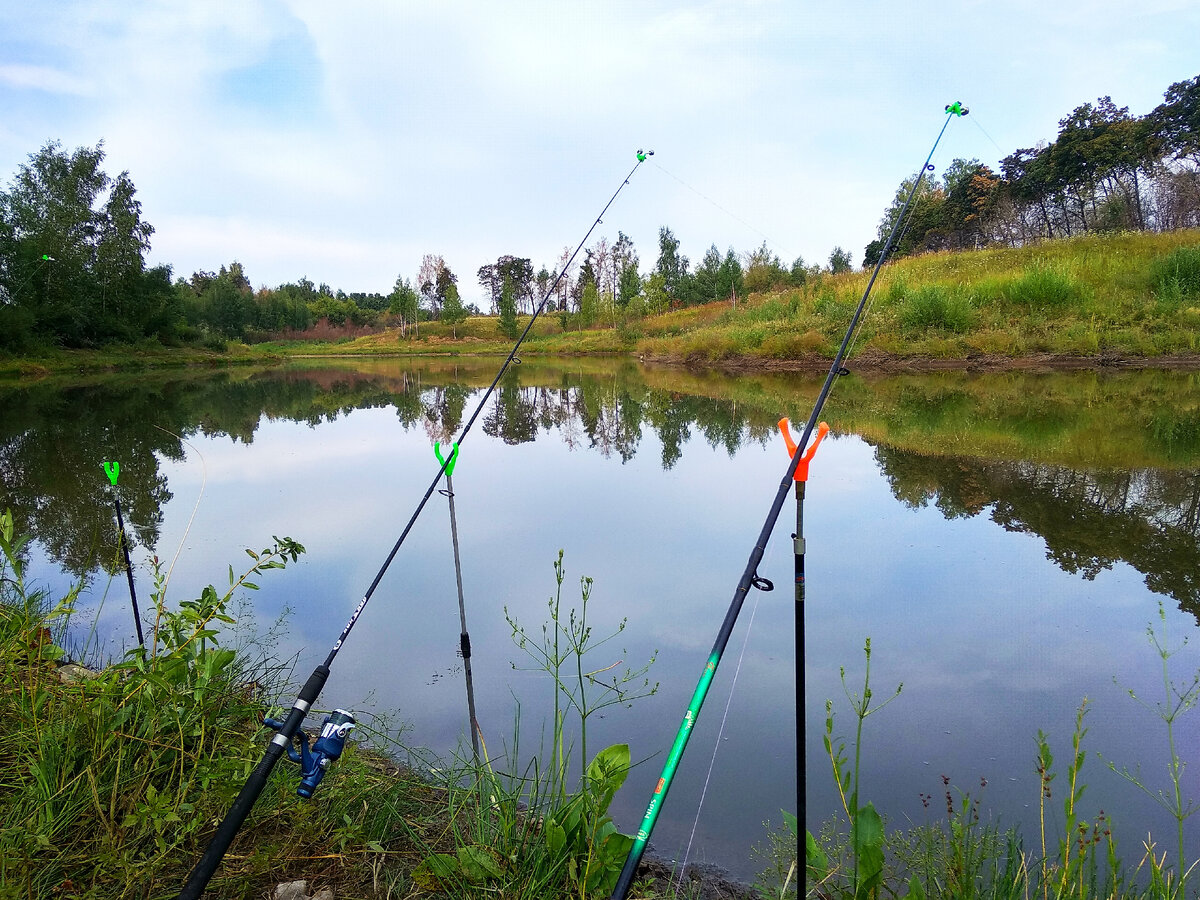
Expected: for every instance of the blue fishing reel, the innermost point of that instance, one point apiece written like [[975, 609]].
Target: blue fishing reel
[[327, 748]]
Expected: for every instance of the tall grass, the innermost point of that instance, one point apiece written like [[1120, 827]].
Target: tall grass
[[962, 857]]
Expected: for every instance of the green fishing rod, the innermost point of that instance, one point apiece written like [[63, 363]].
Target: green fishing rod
[[750, 577], [287, 730]]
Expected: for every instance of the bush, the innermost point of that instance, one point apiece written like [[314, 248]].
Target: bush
[[1176, 276], [1043, 289], [936, 306]]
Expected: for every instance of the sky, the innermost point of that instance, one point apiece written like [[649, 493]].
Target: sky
[[344, 141]]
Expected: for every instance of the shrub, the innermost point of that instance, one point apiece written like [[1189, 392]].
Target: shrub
[[1043, 289], [936, 306], [1176, 276]]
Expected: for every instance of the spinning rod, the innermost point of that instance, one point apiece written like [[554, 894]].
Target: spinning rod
[[287, 730], [750, 577]]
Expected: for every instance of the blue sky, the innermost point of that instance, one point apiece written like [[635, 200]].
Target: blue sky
[[342, 141]]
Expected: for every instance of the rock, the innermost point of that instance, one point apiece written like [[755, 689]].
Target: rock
[[298, 890], [72, 672]]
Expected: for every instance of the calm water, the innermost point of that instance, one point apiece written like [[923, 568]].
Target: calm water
[[1003, 541]]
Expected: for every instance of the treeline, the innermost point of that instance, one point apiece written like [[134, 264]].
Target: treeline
[[1105, 171], [608, 286], [73, 273]]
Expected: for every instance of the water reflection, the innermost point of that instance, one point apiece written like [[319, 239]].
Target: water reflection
[[1089, 520], [54, 436]]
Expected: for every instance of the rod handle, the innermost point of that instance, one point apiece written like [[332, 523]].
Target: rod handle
[[198, 880]]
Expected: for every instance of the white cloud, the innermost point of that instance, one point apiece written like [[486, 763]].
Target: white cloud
[[44, 78]]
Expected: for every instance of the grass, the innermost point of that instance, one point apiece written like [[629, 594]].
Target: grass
[[1131, 294], [962, 857], [113, 779]]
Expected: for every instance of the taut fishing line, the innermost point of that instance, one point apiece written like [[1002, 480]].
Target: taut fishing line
[[708, 199], [750, 577], [720, 734], [338, 724]]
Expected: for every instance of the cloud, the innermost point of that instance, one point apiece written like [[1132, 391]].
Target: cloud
[[45, 78]]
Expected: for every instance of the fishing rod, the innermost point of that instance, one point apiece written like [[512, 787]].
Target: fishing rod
[[750, 577], [464, 639], [286, 731], [113, 471]]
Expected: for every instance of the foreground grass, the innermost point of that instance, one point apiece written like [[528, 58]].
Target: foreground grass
[[112, 781]]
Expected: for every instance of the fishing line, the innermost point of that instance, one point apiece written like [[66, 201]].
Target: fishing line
[[705, 197], [186, 531], [898, 242], [720, 734], [750, 577], [288, 729], [986, 135]]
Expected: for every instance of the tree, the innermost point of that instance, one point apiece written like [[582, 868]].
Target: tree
[[705, 276], [72, 244], [447, 284], [506, 305], [764, 271], [730, 278], [1176, 121], [427, 281], [403, 302], [671, 265], [840, 261], [453, 313], [625, 266]]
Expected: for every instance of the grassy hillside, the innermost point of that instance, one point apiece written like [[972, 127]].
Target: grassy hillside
[[1127, 294], [1091, 298]]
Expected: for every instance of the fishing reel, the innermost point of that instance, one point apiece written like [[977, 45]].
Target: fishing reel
[[327, 748]]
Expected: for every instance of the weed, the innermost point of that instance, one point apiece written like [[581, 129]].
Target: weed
[[935, 306], [1043, 289], [1176, 276]]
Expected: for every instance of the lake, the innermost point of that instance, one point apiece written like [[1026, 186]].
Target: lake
[[1003, 540]]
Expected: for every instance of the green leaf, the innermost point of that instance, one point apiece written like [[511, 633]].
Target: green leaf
[[817, 861], [915, 891], [556, 838], [478, 863], [610, 768], [867, 837], [436, 869]]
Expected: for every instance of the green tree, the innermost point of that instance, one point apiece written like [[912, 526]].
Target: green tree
[[730, 278], [840, 261], [707, 273], [403, 302], [764, 271], [1176, 121], [72, 244], [507, 308], [671, 265], [453, 313], [589, 304], [625, 264]]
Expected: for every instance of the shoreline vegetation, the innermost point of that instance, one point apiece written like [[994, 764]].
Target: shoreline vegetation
[[116, 775], [1121, 300]]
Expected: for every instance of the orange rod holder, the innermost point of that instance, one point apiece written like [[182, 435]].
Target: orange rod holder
[[802, 469]]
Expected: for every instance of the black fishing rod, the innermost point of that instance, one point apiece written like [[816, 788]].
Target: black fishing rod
[[113, 471], [288, 729], [750, 577]]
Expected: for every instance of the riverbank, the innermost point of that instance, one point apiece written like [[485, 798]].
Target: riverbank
[[1125, 300]]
